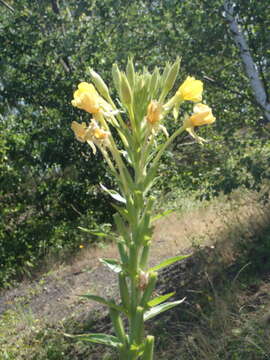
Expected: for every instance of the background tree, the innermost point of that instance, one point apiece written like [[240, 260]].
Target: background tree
[[49, 182]]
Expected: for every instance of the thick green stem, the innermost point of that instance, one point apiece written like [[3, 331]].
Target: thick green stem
[[149, 348], [118, 325], [124, 292], [144, 256]]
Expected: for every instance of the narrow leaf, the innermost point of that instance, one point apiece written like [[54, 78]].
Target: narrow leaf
[[114, 194], [97, 338], [112, 264], [159, 299], [160, 309], [97, 233], [167, 212], [122, 211], [103, 301], [169, 262]]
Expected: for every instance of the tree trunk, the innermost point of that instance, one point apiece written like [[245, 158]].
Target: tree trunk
[[251, 70]]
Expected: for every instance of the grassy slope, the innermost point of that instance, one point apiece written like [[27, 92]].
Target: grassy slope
[[227, 311]]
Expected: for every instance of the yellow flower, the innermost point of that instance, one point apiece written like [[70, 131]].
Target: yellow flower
[[87, 98], [191, 89], [92, 134], [202, 115], [154, 112]]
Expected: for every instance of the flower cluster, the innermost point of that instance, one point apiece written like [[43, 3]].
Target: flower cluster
[[87, 98]]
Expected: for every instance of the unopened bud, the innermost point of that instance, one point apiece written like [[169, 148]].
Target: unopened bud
[[172, 74], [100, 84], [126, 93], [154, 81], [130, 72], [116, 76]]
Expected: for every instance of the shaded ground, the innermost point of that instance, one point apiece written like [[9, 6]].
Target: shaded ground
[[55, 294], [211, 230]]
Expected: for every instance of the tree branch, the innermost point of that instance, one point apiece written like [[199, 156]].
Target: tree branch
[[7, 5]]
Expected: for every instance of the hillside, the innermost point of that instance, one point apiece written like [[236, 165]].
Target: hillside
[[216, 281]]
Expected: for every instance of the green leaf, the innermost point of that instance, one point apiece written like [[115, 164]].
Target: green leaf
[[97, 233], [159, 299], [169, 262], [167, 212], [122, 211], [160, 309], [114, 194], [103, 301], [113, 264], [97, 338]]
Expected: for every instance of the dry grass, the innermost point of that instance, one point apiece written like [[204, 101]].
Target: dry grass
[[215, 314]]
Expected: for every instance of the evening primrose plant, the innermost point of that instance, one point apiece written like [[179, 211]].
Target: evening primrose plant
[[137, 119]]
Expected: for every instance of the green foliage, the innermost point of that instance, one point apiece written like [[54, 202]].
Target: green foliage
[[219, 166], [49, 182]]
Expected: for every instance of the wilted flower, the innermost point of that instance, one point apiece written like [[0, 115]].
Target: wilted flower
[[202, 115], [92, 134], [154, 116], [191, 89], [143, 280], [154, 112]]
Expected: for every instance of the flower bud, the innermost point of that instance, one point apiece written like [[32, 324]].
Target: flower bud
[[172, 74], [130, 72], [116, 76], [154, 81], [100, 84], [125, 90]]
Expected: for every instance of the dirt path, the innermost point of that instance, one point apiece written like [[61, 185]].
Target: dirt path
[[54, 296]]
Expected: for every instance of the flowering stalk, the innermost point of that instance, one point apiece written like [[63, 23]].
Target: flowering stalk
[[134, 166]]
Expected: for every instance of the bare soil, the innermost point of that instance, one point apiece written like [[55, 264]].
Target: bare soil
[[54, 295]]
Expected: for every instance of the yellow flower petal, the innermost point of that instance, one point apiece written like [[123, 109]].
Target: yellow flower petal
[[202, 115], [87, 98], [100, 134], [191, 90]]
